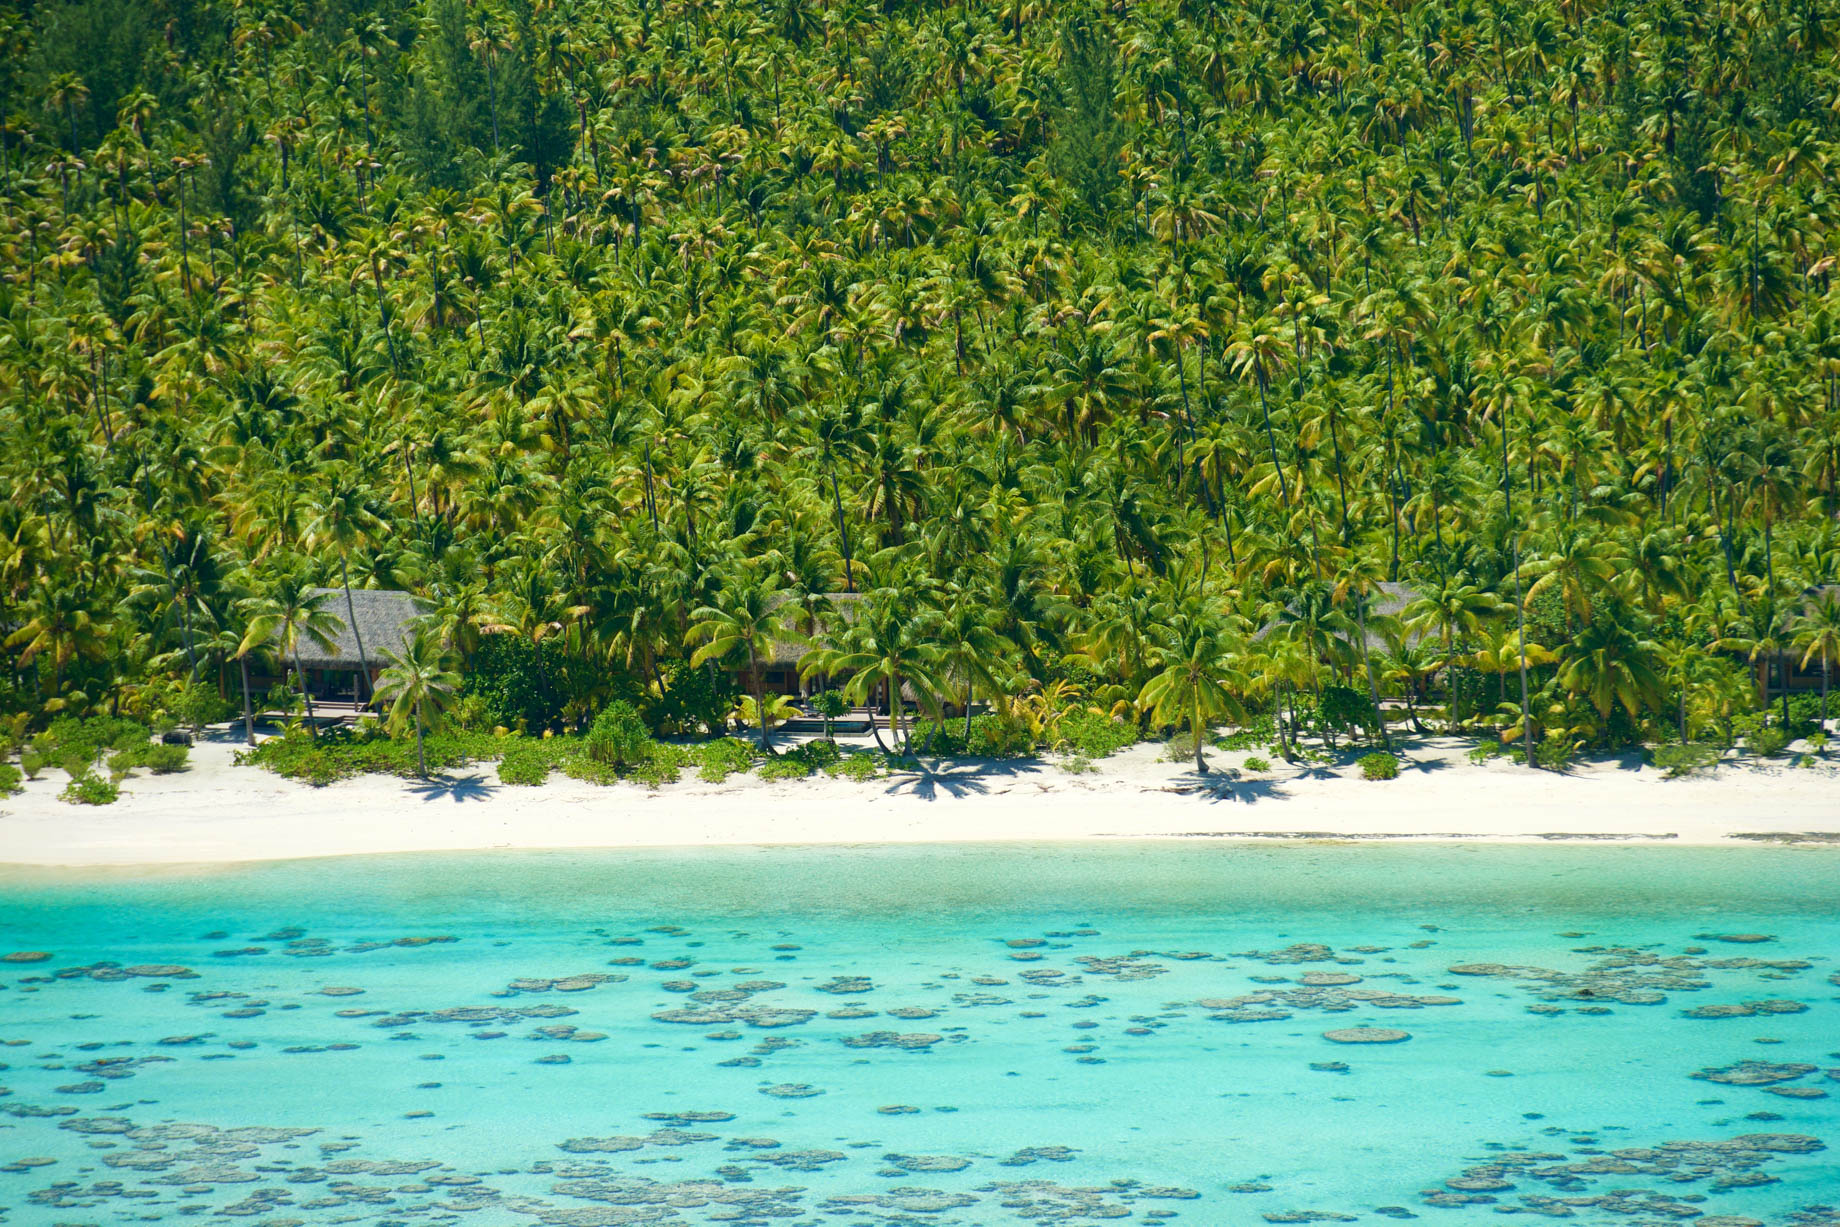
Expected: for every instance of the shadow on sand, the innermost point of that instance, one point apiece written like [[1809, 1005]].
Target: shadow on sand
[[455, 788]]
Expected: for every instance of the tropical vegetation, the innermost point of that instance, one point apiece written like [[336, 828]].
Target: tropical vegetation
[[1110, 359]]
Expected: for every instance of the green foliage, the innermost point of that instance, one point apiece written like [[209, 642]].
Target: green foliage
[[1094, 735], [663, 764], [694, 699], [1678, 761], [717, 760], [857, 767], [1556, 752], [991, 737], [339, 754], [88, 788], [31, 762], [1342, 710], [619, 737], [1256, 764], [198, 704], [1379, 766], [1079, 764], [1767, 742], [11, 779], [1482, 752], [1259, 730], [524, 763]]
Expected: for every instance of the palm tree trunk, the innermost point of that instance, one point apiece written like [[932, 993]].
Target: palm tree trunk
[[1373, 684], [249, 717], [421, 759], [1194, 726], [364, 667], [968, 691], [760, 700], [306, 696]]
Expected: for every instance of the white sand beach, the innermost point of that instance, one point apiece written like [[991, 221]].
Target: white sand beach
[[219, 812]]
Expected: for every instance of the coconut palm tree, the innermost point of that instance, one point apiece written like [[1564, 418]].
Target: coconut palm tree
[[281, 617], [1818, 636], [420, 688], [1197, 678], [745, 622]]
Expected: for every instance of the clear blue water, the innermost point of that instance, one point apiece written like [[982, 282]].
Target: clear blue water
[[956, 1035]]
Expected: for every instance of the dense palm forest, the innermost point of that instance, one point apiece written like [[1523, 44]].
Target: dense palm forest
[[1124, 355]]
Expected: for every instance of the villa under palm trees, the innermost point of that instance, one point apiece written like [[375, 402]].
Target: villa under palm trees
[[346, 672]]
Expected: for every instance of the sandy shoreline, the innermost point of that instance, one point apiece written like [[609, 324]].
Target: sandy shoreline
[[217, 812]]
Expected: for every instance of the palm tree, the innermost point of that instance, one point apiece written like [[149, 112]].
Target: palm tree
[[746, 620], [1455, 609], [889, 645], [343, 518], [287, 613], [1818, 635], [420, 687], [1196, 675], [1611, 663]]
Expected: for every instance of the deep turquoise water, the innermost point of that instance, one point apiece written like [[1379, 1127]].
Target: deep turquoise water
[[956, 1035]]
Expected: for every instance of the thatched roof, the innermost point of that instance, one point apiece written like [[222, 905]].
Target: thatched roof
[[383, 618], [788, 652], [1390, 600]]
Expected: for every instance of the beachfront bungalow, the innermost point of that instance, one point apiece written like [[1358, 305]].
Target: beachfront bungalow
[[384, 618], [1782, 671]]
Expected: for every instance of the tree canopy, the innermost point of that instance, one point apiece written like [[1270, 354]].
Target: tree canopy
[[1032, 323]]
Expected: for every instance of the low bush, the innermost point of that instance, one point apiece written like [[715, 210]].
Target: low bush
[[785, 767], [31, 762], [1256, 764], [1556, 753], [619, 737], [1079, 764], [340, 754], [991, 737], [524, 766], [856, 767], [166, 760], [1678, 761], [1484, 751], [1379, 766], [1258, 731], [1090, 734], [1179, 749], [89, 788], [663, 763], [10, 779], [717, 760], [1767, 742]]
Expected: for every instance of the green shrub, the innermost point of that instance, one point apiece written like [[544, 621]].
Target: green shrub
[[1079, 764], [1090, 734], [10, 779], [856, 767], [1179, 749], [31, 762], [1677, 761], [588, 770], [339, 754], [1379, 766], [1258, 731], [1556, 753], [1767, 742], [523, 765], [619, 737], [785, 767], [165, 760], [198, 705], [991, 737], [663, 763], [717, 760], [1484, 751], [1256, 764], [90, 789]]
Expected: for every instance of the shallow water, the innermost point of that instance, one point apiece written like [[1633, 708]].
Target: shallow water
[[948, 1035]]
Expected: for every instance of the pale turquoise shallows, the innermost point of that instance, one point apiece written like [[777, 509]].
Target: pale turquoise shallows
[[945, 1035]]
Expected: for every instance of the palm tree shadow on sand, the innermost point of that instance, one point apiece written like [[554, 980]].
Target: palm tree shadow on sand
[[456, 788], [959, 779], [1219, 786]]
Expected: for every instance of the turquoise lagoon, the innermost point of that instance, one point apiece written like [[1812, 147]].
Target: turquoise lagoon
[[944, 1035]]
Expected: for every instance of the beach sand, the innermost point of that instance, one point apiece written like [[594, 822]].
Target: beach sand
[[218, 812]]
